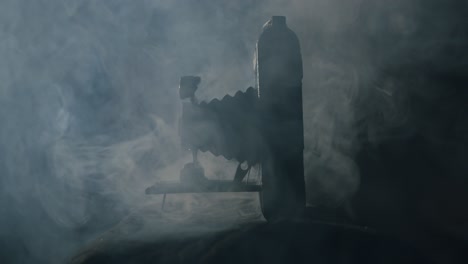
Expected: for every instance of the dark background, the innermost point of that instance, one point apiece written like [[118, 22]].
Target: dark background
[[89, 109]]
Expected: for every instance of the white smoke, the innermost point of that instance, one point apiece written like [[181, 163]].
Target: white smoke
[[89, 104]]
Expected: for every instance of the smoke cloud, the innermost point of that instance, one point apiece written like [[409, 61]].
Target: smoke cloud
[[89, 105]]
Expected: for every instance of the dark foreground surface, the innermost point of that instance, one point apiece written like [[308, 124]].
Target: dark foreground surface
[[299, 241]]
